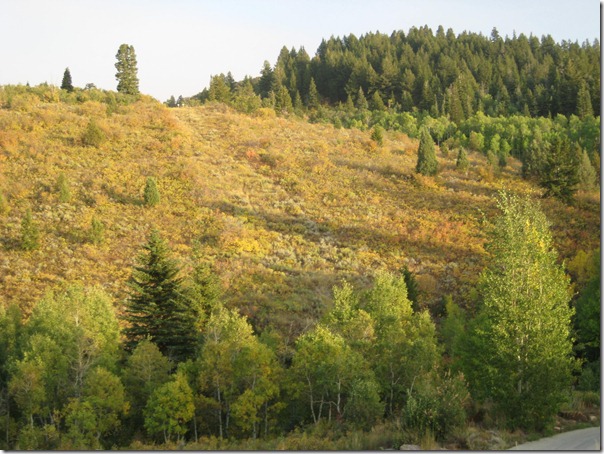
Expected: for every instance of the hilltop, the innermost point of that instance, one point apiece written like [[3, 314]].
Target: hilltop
[[282, 209]]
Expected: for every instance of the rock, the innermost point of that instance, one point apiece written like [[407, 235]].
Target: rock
[[410, 448]]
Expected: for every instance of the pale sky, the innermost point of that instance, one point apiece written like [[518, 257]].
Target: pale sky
[[179, 44]]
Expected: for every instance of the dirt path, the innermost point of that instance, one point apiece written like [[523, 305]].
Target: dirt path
[[575, 440]]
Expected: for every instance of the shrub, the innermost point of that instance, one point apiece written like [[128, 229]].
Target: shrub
[[63, 188], [151, 195], [97, 232], [3, 204], [30, 235], [93, 136], [378, 135]]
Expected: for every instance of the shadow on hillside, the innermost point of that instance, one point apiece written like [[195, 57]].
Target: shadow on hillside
[[122, 199], [348, 236], [10, 244], [387, 171]]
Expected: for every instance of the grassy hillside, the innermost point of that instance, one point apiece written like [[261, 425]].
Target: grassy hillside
[[282, 208]]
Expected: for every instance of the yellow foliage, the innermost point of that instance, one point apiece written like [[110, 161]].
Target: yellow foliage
[[284, 209]]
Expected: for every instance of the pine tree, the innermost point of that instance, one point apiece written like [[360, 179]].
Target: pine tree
[[30, 235], [151, 195], [283, 101], [426, 154], [127, 72], [412, 288], [267, 79], [171, 102], [361, 103], [586, 173], [313, 95], [462, 162], [559, 174], [519, 351], [376, 101], [584, 107], [67, 84], [157, 306], [378, 135]]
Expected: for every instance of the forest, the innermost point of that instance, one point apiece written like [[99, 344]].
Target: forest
[[394, 242]]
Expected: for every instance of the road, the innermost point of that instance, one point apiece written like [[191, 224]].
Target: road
[[575, 440]]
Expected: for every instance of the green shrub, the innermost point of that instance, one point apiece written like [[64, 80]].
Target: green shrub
[[377, 135], [151, 195], [97, 232], [30, 235], [63, 188], [93, 136]]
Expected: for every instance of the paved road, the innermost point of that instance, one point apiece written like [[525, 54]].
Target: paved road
[[575, 440]]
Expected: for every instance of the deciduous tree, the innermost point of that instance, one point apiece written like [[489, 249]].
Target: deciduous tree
[[519, 352]]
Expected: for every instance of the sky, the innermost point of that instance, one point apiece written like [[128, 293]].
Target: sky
[[179, 44]]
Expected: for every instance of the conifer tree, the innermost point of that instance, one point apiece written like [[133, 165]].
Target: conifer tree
[[127, 72], [313, 95], [361, 103], [462, 162], [267, 79], [30, 235], [426, 155], [376, 101], [66, 84], [378, 134], [171, 102], [586, 173], [584, 107], [559, 174], [157, 306], [151, 194]]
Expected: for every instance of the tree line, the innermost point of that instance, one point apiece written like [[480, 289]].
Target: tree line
[[178, 364], [523, 97], [441, 74]]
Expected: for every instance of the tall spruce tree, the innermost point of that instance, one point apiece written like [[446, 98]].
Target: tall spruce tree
[[559, 174], [127, 72], [157, 306], [66, 84], [426, 154], [519, 351]]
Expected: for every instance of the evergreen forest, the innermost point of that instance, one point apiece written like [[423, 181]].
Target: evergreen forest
[[394, 243]]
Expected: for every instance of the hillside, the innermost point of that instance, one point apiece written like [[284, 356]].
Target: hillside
[[282, 208]]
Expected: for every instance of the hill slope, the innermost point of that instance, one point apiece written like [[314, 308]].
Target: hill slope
[[284, 209]]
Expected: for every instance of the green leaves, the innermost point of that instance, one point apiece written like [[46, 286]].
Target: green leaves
[[151, 194], [127, 72], [30, 234], [170, 408], [426, 155], [519, 353], [238, 372]]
